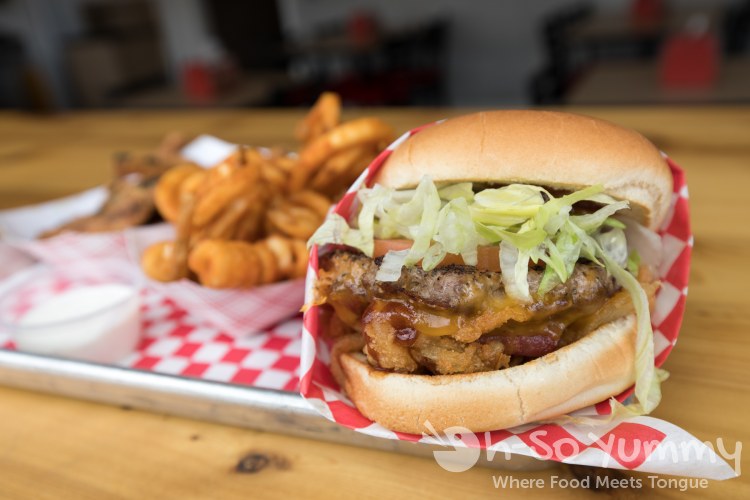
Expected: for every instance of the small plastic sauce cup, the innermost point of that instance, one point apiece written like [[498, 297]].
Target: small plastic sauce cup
[[97, 322]]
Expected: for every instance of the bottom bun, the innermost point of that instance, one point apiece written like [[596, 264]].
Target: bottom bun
[[580, 374]]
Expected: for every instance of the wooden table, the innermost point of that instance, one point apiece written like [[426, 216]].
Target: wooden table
[[57, 448]]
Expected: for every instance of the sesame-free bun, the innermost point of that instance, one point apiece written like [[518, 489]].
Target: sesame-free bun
[[585, 372], [551, 149]]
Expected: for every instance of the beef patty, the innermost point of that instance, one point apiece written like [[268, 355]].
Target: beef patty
[[454, 319]]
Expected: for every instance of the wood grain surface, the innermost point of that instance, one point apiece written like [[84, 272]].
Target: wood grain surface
[[52, 447]]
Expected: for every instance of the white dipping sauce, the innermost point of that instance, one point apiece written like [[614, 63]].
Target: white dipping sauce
[[95, 323]]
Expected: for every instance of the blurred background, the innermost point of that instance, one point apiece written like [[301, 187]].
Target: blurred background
[[65, 54]]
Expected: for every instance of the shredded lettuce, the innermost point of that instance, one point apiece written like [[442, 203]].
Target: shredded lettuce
[[634, 262], [455, 233], [647, 243], [507, 206], [529, 223], [612, 222], [550, 279], [438, 222], [424, 206], [618, 411], [556, 206], [526, 220], [526, 237], [463, 190], [372, 203], [336, 230], [614, 244], [390, 268], [647, 390], [514, 267], [647, 377], [592, 222]]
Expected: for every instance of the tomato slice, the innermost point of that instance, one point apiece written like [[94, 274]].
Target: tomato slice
[[382, 247], [488, 258]]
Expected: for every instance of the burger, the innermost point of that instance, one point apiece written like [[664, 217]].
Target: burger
[[498, 269]]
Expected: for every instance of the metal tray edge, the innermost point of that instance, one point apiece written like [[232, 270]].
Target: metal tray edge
[[242, 406]]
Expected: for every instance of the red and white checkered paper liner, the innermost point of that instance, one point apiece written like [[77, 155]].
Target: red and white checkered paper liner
[[565, 443], [238, 312], [239, 337]]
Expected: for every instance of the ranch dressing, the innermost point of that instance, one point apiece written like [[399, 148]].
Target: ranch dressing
[[95, 323]]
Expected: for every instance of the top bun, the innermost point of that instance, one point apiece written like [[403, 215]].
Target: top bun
[[544, 148]]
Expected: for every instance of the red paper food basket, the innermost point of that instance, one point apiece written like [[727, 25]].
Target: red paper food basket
[[318, 386]]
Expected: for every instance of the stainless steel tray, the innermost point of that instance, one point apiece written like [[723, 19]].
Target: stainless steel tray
[[243, 406]]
